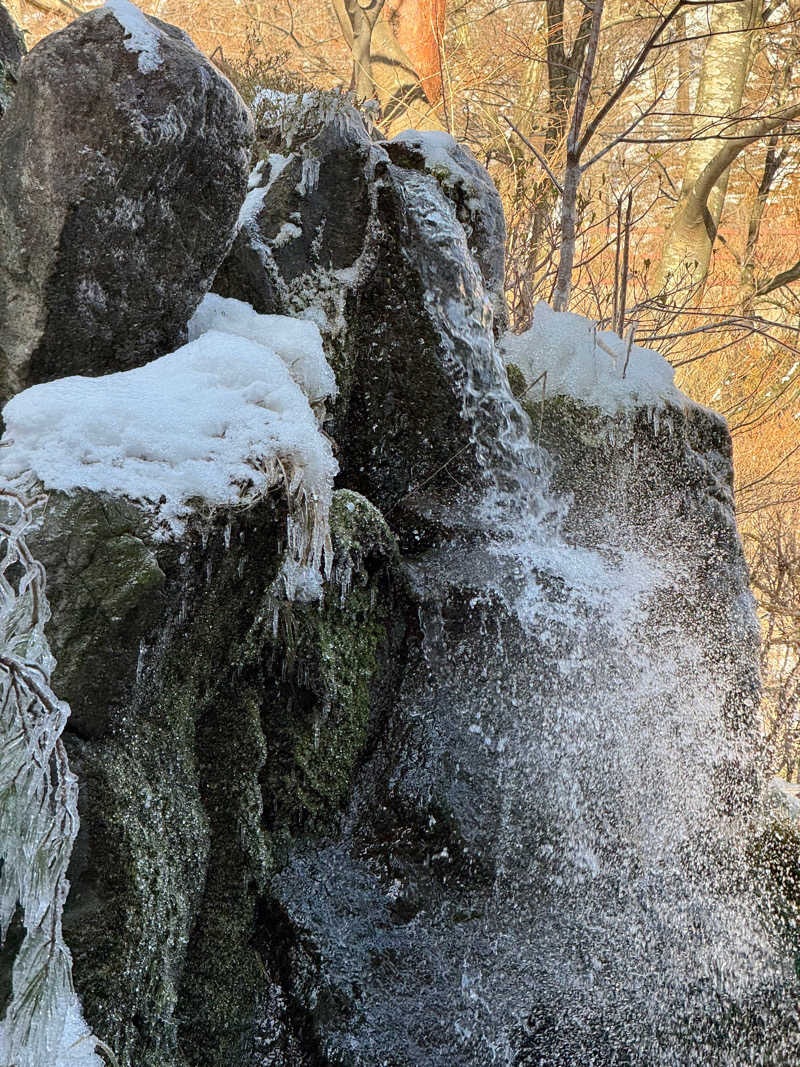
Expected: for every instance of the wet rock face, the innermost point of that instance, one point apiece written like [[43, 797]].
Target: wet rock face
[[12, 49], [121, 176], [401, 263], [478, 206]]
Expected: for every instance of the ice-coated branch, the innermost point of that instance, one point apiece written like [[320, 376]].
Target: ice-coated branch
[[38, 811]]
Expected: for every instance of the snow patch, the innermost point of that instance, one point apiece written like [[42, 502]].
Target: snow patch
[[439, 152], [590, 366], [220, 421], [296, 341], [252, 205], [140, 34]]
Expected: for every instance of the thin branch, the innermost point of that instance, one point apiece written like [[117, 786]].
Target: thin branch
[[538, 155]]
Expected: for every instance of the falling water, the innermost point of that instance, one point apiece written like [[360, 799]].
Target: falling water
[[615, 796]]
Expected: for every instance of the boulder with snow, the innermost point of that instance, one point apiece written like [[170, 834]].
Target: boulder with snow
[[123, 165], [396, 251], [12, 49]]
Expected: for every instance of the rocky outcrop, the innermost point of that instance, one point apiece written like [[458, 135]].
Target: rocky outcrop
[[12, 49], [401, 265], [123, 163], [459, 800], [228, 724]]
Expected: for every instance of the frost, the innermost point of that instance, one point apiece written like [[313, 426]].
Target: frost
[[38, 812], [141, 35], [219, 421], [590, 366], [288, 232], [296, 113], [252, 205], [298, 343]]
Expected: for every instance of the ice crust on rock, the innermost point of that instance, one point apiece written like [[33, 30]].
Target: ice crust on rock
[[573, 355], [219, 420], [297, 342], [42, 1025], [140, 34]]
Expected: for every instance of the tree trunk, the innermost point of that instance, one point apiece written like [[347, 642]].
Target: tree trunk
[[726, 64], [407, 88]]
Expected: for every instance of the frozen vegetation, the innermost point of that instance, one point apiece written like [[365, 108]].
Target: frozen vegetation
[[38, 809]]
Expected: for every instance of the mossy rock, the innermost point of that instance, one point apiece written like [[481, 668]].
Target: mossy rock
[[235, 729]]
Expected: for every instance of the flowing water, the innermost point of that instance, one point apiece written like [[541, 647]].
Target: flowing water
[[605, 776]]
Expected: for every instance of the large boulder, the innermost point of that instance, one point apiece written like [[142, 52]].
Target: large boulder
[[395, 249], [12, 49], [123, 164]]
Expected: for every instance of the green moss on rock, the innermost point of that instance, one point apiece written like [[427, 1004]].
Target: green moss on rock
[[229, 739]]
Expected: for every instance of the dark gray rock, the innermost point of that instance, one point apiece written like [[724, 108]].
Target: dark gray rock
[[439, 927], [402, 268], [485, 801], [478, 205], [309, 212], [121, 176], [12, 49]]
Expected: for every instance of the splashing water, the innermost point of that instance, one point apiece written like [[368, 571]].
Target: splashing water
[[624, 925], [38, 812]]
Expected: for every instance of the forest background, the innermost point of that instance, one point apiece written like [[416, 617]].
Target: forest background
[[648, 157]]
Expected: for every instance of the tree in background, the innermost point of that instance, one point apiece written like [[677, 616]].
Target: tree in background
[[396, 47]]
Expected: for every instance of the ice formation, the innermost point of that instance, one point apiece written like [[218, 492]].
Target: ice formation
[[141, 35], [566, 353], [43, 1026]]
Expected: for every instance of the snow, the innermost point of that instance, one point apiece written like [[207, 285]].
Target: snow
[[449, 164], [252, 205], [438, 149], [590, 366], [141, 35], [296, 341], [256, 175], [220, 420], [258, 189]]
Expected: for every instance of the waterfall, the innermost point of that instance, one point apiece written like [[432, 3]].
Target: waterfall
[[578, 700]]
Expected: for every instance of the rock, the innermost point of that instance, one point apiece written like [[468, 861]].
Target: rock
[[123, 159], [233, 725], [308, 214], [12, 49], [478, 206], [407, 290], [459, 849]]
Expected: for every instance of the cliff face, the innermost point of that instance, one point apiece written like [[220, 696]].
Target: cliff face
[[449, 761]]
